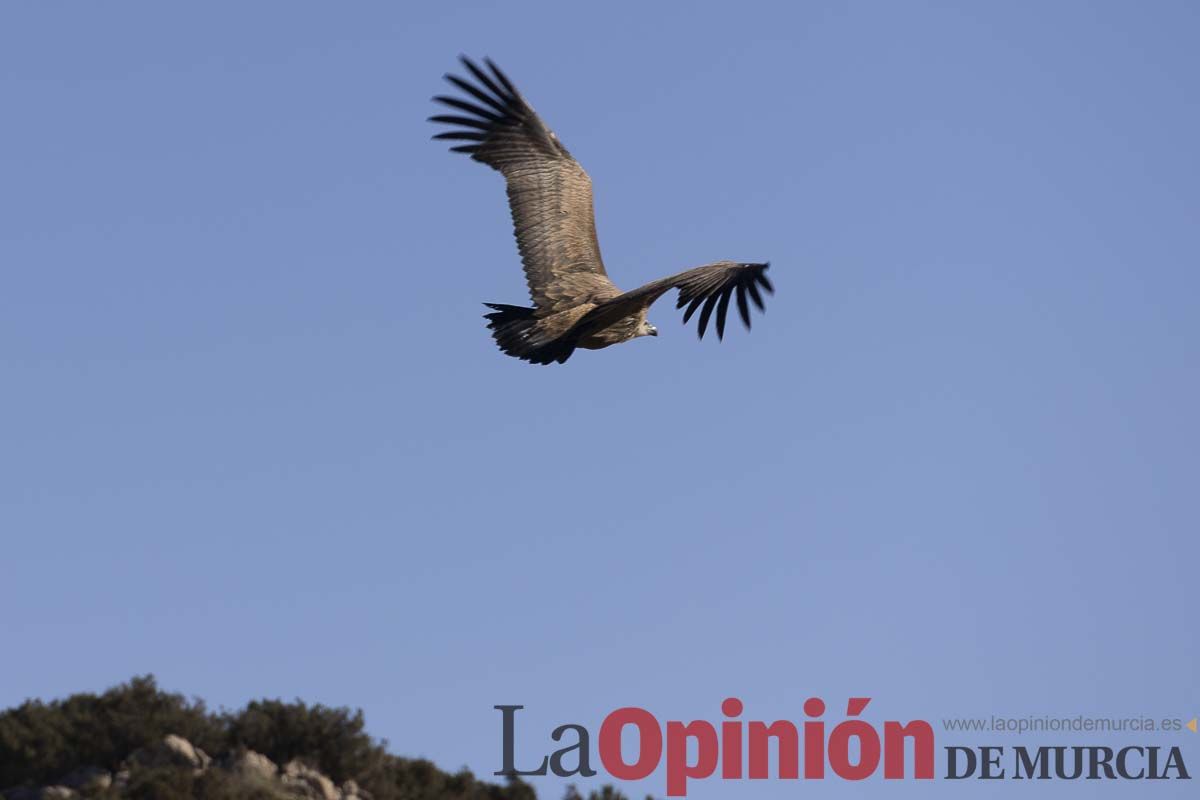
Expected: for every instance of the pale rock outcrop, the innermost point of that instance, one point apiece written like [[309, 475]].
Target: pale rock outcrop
[[296, 780], [312, 784], [172, 751], [250, 764]]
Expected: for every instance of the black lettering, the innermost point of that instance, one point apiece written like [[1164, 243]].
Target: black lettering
[[1122, 767], [988, 761], [952, 762], [510, 725], [581, 745], [1096, 764], [1040, 763]]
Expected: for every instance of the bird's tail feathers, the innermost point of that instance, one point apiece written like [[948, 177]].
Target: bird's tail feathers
[[516, 331]]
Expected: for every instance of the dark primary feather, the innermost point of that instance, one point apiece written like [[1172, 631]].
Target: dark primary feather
[[706, 288], [715, 284], [549, 194]]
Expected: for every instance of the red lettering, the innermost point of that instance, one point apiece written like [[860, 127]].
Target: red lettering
[[789, 749], [893, 748], [649, 743], [678, 770]]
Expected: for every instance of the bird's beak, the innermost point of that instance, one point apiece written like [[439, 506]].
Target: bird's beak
[[653, 331]]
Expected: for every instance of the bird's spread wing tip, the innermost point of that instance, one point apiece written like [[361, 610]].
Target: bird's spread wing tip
[[711, 288]]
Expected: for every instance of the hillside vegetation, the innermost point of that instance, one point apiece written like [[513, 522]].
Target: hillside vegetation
[[137, 741]]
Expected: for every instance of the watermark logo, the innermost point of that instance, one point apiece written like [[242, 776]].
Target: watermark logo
[[853, 749]]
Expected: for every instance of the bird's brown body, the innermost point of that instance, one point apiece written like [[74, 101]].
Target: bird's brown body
[[550, 196], [624, 329]]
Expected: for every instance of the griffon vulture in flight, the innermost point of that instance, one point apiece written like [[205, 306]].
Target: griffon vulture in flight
[[574, 302]]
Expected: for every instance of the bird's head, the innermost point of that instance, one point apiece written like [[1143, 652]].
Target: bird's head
[[646, 329]]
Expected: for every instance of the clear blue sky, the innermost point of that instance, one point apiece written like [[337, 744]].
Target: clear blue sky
[[256, 439]]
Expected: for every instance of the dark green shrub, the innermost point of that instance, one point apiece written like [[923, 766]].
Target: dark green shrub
[[41, 742]]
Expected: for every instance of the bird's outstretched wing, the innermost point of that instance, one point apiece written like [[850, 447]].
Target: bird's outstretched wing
[[548, 192], [703, 288]]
